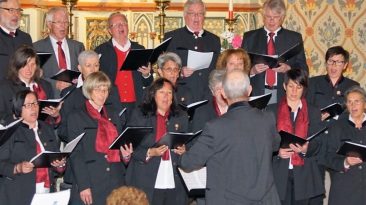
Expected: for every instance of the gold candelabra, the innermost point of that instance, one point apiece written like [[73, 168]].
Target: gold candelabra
[[230, 22], [70, 4], [162, 5]]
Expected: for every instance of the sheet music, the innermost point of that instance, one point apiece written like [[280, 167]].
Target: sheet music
[[2, 127], [56, 198], [258, 96], [71, 145], [199, 60], [195, 179]]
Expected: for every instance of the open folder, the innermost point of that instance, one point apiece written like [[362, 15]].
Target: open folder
[[351, 149], [273, 61], [129, 135], [175, 139], [191, 108], [43, 57], [50, 102], [260, 101], [66, 75], [195, 181], [45, 158], [333, 110], [7, 131], [55, 198], [199, 60], [142, 57], [288, 138]]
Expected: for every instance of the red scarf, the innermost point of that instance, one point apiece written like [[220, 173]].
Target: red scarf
[[161, 130], [106, 133], [42, 173], [41, 94], [285, 123]]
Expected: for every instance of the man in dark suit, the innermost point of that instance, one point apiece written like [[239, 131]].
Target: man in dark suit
[[130, 84], [272, 39], [65, 51], [11, 37], [237, 154]]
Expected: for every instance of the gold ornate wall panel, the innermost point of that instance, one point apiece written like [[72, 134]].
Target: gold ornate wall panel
[[96, 32]]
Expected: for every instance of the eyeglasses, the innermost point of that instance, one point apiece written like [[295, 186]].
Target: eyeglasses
[[13, 10], [101, 90], [192, 14], [119, 25], [333, 62], [31, 105], [61, 23], [354, 102], [276, 18], [171, 70]]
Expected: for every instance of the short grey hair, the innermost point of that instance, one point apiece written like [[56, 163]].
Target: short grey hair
[[189, 3], [236, 84], [275, 5], [86, 55], [116, 14], [169, 56], [93, 81], [355, 89], [52, 11], [216, 77]]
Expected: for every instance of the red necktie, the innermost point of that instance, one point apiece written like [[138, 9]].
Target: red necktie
[[270, 74], [161, 130], [41, 94], [12, 34], [61, 56], [42, 173], [196, 33]]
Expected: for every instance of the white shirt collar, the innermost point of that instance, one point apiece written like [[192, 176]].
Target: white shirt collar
[[275, 32], [351, 119], [80, 81], [6, 30], [30, 85], [124, 48], [54, 40], [199, 33]]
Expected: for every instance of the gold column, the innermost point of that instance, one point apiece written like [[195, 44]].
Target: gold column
[[162, 5], [230, 22], [69, 6]]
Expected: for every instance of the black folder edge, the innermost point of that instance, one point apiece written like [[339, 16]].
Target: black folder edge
[[359, 150], [191, 110], [43, 159], [333, 110], [261, 102], [114, 144], [298, 139], [72, 73], [43, 57], [46, 103], [190, 137], [7, 133]]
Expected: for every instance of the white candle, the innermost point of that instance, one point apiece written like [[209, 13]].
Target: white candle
[[231, 5]]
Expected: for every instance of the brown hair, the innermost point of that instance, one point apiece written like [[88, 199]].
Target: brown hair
[[225, 55], [127, 195]]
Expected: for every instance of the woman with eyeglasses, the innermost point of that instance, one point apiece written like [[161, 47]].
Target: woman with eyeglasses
[[348, 184], [96, 169], [19, 179], [25, 74]]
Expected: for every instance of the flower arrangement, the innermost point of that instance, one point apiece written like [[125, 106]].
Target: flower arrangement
[[230, 40]]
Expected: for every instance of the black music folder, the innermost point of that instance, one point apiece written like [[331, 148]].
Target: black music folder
[[50, 102], [288, 138], [132, 135], [333, 110], [45, 158], [43, 57], [142, 57], [260, 101], [191, 108], [273, 61], [351, 149], [175, 139], [66, 75], [7, 131]]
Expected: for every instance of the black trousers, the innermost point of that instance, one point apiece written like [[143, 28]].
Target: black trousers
[[164, 197], [290, 193]]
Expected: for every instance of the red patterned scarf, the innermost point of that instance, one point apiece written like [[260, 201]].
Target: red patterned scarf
[[284, 122], [106, 133]]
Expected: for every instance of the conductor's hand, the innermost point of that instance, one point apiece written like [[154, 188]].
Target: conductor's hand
[[351, 161], [157, 151], [258, 68], [23, 168], [300, 149], [186, 72], [145, 70], [86, 196], [285, 153], [126, 150], [180, 150]]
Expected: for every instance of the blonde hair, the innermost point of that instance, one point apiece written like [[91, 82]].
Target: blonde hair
[[127, 195], [95, 80]]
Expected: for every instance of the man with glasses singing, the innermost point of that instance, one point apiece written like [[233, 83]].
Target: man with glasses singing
[[272, 39], [11, 37], [65, 51]]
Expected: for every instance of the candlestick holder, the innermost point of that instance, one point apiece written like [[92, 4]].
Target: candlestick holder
[[70, 4], [230, 22], [162, 5]]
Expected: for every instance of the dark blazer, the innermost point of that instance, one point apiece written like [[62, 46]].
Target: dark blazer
[[8, 90], [50, 68], [183, 40], [347, 186], [108, 64], [307, 178], [19, 189], [256, 41], [142, 173], [238, 157], [90, 168], [8, 46]]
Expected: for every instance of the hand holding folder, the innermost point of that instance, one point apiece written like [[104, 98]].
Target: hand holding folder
[[175, 139], [288, 138], [333, 110], [50, 103], [351, 149], [129, 135]]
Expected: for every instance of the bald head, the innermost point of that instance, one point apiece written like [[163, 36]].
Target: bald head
[[236, 86]]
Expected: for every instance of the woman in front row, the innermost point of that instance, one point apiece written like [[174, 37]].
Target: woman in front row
[[296, 172], [19, 180], [348, 184], [96, 169], [151, 169]]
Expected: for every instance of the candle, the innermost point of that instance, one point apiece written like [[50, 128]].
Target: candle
[[231, 13]]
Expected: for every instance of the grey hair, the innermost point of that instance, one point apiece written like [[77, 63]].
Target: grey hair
[[116, 14], [355, 89], [169, 56], [86, 55], [52, 11], [216, 77], [236, 84], [275, 5], [189, 3]]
